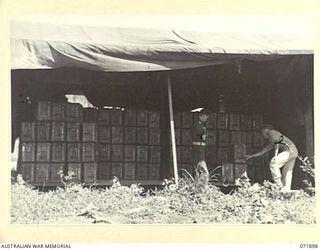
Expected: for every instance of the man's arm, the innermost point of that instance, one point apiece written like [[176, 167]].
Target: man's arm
[[260, 153]]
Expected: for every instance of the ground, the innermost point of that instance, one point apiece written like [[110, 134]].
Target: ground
[[189, 203]]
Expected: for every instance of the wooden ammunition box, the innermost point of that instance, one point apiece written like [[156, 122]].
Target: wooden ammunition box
[[235, 137], [90, 115], [44, 111], [154, 136], [43, 131], [104, 170], [129, 135], [104, 152], [117, 134], [55, 170], [211, 137], [211, 154], [89, 132], [154, 119], [223, 138], [212, 121], [58, 111], [104, 134], [116, 170], [186, 137], [240, 171], [90, 172], [58, 152], [142, 135], [142, 118], [27, 171], [222, 121], [239, 151], [186, 154], [74, 152], [129, 153], [42, 172], [116, 117], [28, 131], [227, 173], [73, 131], [28, 150], [257, 140], [58, 131], [76, 169], [234, 121], [104, 116], [116, 152], [142, 171], [154, 154], [246, 122], [247, 138], [142, 153], [43, 152], [129, 171], [74, 112], [154, 171], [89, 153], [177, 119], [130, 117], [186, 119], [257, 121]]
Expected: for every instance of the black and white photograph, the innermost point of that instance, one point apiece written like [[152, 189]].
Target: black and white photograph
[[162, 119]]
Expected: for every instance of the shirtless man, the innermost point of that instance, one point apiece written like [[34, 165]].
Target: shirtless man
[[284, 157]]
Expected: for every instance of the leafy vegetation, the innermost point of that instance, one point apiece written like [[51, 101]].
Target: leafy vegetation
[[189, 202]]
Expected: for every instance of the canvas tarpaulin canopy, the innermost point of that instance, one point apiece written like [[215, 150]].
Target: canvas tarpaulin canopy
[[45, 46]]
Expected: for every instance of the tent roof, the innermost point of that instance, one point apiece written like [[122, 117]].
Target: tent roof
[[119, 49]]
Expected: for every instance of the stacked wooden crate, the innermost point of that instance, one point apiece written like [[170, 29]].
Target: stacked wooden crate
[[94, 144], [229, 137]]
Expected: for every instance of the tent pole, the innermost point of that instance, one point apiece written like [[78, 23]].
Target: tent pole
[[173, 140]]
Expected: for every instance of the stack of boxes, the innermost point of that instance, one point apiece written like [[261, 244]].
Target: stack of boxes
[[93, 144], [229, 138]]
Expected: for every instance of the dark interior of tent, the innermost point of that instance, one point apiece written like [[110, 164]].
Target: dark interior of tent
[[280, 89]]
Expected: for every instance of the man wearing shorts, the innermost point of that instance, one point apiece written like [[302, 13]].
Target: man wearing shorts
[[284, 157]]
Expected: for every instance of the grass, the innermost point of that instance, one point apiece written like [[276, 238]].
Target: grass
[[190, 202]]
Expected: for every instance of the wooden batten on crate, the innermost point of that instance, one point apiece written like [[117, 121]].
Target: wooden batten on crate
[[44, 111], [90, 172], [186, 137], [58, 152], [223, 138], [117, 134], [43, 131], [28, 171], [55, 169], [116, 170], [73, 131], [28, 131], [212, 121], [89, 152], [154, 172], [186, 119], [211, 154], [42, 172], [222, 121], [142, 118], [154, 152], [117, 153], [43, 152], [142, 135], [89, 132], [142, 153], [129, 135], [58, 131], [116, 117], [234, 121], [129, 153], [154, 119], [154, 136], [211, 137], [28, 151], [186, 154], [104, 134], [74, 152], [74, 112], [142, 171], [129, 171], [58, 111], [246, 122], [90, 115], [104, 152], [104, 116]]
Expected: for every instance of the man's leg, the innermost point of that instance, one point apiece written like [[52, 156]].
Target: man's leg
[[275, 164], [287, 174]]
